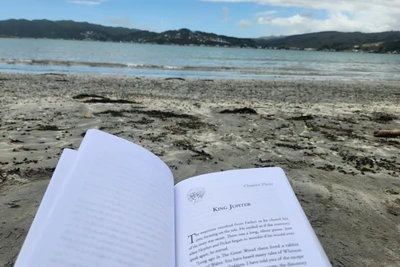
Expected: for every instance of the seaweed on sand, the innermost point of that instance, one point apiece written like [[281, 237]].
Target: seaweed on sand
[[239, 111]]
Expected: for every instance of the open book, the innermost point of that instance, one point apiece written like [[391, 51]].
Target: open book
[[114, 203]]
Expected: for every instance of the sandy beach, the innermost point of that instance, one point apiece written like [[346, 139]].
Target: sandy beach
[[320, 132]]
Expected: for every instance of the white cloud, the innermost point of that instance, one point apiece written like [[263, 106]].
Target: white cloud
[[225, 10], [266, 13], [350, 15], [88, 3], [349, 5], [245, 23], [335, 21]]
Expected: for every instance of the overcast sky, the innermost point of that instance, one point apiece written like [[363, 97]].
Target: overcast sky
[[242, 18]]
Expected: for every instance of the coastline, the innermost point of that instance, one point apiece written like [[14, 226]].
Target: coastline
[[319, 132]]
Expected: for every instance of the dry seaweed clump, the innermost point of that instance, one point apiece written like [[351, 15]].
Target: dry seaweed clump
[[186, 144], [239, 111], [48, 128], [382, 117], [91, 98], [194, 124], [305, 117], [394, 210], [176, 130]]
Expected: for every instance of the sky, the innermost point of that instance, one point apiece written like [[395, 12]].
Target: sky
[[240, 18]]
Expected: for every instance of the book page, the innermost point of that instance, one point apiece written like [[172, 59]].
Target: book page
[[66, 160], [115, 209], [243, 218]]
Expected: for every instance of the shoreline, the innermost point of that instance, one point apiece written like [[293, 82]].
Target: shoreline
[[320, 133], [178, 72]]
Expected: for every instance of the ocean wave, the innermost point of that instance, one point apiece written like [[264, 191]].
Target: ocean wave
[[47, 62], [171, 67], [70, 63], [17, 61]]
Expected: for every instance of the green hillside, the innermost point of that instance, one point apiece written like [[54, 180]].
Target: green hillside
[[331, 40], [65, 29]]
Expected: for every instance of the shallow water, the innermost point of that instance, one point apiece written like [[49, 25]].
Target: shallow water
[[42, 55]]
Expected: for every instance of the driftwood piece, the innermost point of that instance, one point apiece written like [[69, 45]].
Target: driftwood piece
[[387, 133]]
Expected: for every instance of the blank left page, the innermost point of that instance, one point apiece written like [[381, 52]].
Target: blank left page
[[60, 174], [116, 209]]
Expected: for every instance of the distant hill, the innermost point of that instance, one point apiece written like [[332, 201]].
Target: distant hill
[[186, 36], [332, 40], [65, 29], [266, 39], [88, 31]]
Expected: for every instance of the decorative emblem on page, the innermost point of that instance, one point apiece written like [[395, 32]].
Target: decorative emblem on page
[[195, 195]]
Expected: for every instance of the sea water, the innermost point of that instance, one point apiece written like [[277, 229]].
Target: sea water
[[89, 57]]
